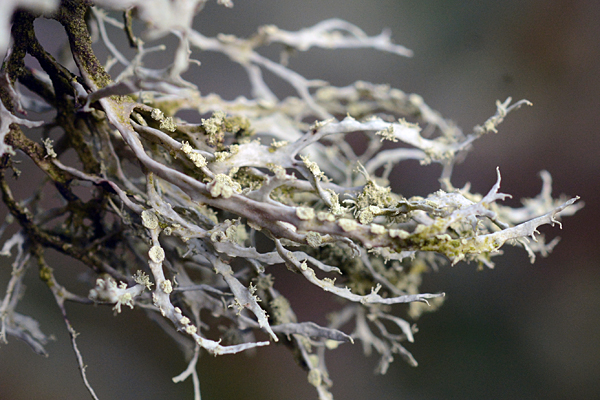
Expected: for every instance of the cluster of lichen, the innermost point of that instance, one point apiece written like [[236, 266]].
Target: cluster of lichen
[[188, 219]]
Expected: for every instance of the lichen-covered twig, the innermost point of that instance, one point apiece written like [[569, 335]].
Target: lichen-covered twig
[[184, 219]]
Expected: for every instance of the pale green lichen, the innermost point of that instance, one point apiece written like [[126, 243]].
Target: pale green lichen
[[221, 156], [49, 148], [198, 159], [374, 195], [166, 286], [405, 123], [143, 279], [398, 233], [125, 299], [334, 198], [215, 128], [157, 114], [139, 119], [190, 329], [320, 124], [213, 125], [276, 144], [348, 225], [328, 282], [168, 124], [278, 170], [238, 125], [377, 229], [223, 186], [314, 239], [366, 215], [305, 213], [325, 216], [237, 233], [149, 219], [313, 167], [156, 254], [280, 308], [314, 377], [387, 134]]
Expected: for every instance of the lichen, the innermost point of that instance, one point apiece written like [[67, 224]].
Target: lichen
[[156, 254], [164, 227], [198, 159], [313, 167], [348, 225], [223, 186], [314, 239], [149, 219], [305, 213]]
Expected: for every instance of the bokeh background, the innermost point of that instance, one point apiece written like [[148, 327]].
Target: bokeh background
[[520, 331]]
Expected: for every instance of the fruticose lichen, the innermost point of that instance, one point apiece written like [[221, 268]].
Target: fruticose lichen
[[199, 214]]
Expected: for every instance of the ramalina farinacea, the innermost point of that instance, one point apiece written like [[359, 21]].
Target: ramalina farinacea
[[175, 209]]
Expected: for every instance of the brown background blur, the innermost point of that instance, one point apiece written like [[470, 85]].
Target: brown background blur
[[520, 331]]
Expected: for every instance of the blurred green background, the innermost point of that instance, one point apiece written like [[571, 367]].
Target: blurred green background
[[520, 331]]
